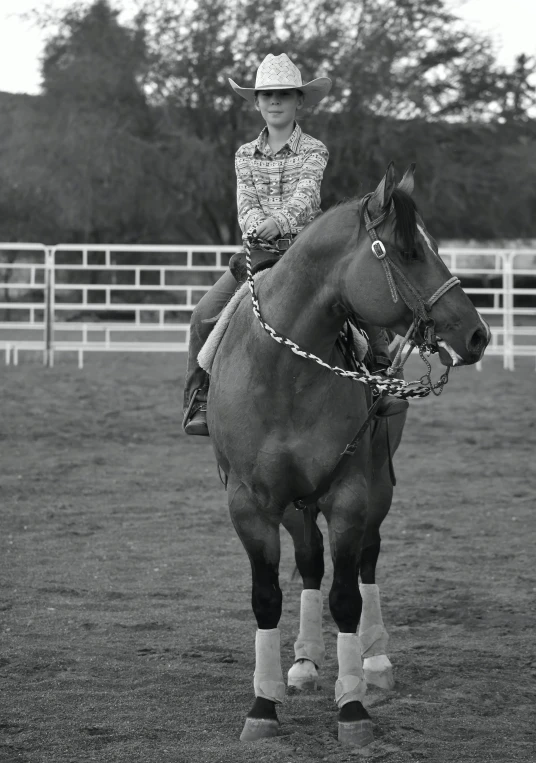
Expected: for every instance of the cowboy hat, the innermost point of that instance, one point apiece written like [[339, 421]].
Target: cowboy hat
[[279, 73]]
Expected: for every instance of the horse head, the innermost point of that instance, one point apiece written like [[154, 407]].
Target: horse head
[[395, 277]]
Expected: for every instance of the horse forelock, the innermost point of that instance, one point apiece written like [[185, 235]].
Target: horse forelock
[[405, 219]]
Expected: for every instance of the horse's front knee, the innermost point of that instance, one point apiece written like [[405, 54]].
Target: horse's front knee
[[344, 597]]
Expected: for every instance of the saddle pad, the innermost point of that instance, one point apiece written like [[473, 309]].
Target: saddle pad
[[209, 349]]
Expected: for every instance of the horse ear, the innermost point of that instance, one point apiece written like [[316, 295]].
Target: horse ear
[[407, 183], [381, 198]]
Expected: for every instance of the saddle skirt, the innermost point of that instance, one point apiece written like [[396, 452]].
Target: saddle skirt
[[208, 351]]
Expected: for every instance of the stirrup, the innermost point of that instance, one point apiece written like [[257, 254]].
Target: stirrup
[[197, 424]]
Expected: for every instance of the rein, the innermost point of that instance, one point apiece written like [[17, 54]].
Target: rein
[[399, 285], [379, 385]]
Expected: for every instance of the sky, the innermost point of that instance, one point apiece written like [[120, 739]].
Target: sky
[[511, 24]]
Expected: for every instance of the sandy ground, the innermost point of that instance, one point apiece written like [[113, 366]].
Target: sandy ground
[[127, 633]]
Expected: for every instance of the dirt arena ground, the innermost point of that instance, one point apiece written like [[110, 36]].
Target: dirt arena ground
[[127, 633]]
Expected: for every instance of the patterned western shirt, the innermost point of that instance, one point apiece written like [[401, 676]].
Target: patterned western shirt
[[284, 185]]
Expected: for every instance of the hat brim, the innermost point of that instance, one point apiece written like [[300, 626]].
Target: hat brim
[[313, 92]]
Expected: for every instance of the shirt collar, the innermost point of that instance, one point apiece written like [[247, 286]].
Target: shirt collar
[[261, 144]]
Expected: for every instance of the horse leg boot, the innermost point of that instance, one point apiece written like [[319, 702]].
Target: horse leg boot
[[389, 405], [259, 533], [346, 529], [309, 647], [372, 634], [373, 639]]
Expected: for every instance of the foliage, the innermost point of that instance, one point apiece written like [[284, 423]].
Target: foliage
[[134, 136]]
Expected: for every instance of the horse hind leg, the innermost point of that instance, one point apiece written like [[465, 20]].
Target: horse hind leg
[[309, 649], [372, 633], [373, 636], [259, 533]]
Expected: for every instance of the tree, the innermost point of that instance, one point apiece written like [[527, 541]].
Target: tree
[[134, 139]]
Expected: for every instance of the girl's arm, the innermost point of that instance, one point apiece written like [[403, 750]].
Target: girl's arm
[[249, 207]]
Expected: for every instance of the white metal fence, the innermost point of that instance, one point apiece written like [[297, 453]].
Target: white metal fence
[[139, 298]]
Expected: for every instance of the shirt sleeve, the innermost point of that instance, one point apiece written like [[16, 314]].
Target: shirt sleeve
[[305, 201], [247, 200]]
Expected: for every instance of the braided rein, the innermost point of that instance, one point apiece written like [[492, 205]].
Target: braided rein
[[379, 385]]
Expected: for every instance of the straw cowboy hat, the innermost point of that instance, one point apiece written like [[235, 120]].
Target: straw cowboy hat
[[279, 73]]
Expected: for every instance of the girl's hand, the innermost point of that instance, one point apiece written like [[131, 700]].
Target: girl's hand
[[268, 229]]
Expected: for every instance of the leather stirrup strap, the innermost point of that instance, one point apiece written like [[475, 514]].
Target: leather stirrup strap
[[390, 456]]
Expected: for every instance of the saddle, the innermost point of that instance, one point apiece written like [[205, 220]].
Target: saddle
[[260, 259]]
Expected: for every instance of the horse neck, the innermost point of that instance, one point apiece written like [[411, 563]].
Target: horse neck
[[300, 298]]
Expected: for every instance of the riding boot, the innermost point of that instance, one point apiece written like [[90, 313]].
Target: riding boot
[[195, 390], [195, 414], [389, 405], [197, 380]]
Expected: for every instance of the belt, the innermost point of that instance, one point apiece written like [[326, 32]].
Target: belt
[[284, 242]]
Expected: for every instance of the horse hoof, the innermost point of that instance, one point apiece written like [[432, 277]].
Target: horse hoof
[[379, 672], [356, 733], [259, 728], [303, 675]]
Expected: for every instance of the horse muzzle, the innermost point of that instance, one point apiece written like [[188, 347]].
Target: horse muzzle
[[476, 342]]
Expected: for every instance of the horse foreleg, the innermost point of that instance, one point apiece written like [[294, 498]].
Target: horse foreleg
[[346, 522], [258, 529], [309, 649], [372, 633]]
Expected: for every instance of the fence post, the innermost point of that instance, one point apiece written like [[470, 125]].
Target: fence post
[[508, 314], [49, 306]]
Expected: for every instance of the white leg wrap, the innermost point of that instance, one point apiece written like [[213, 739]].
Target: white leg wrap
[[268, 677], [372, 634], [351, 685], [310, 642]]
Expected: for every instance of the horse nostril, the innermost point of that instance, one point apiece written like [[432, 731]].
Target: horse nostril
[[478, 340]]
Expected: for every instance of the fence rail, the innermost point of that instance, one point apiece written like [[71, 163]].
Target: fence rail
[[111, 298]]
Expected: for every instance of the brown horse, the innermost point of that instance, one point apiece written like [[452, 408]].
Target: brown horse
[[279, 422]]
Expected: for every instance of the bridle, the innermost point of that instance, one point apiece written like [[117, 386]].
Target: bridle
[[398, 283]]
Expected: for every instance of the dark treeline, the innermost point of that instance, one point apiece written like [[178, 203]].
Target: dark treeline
[[133, 139]]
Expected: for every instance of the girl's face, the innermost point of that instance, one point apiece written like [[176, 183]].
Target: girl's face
[[278, 107]]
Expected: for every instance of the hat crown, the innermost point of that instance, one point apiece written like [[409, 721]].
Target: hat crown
[[277, 71]]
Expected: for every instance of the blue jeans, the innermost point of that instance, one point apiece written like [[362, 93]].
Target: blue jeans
[[210, 305]]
